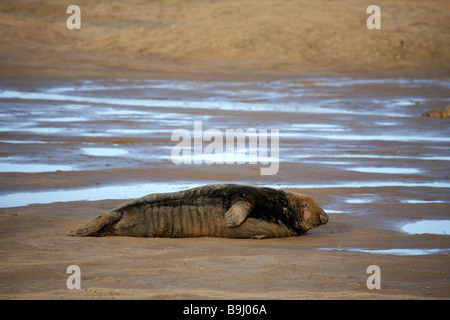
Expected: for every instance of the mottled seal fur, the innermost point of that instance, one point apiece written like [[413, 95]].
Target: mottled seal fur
[[445, 113], [222, 210]]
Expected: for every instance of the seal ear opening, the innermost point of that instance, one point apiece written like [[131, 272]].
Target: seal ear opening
[[237, 214]]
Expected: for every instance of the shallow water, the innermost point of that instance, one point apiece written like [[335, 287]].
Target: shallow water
[[422, 201], [129, 191], [33, 167], [357, 133], [104, 152], [386, 170], [394, 251], [428, 226], [91, 194]]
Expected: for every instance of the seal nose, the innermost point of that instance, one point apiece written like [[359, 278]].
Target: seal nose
[[323, 217]]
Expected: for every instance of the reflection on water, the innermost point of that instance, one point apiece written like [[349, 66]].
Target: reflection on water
[[422, 201], [372, 198], [315, 127], [62, 119], [104, 152], [123, 132], [375, 184], [332, 211], [152, 103], [23, 141], [358, 201], [386, 170], [375, 156], [33, 168], [395, 251], [92, 194], [391, 123], [129, 191], [261, 105], [329, 123], [381, 137], [428, 226]]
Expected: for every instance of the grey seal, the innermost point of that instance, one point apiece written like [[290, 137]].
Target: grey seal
[[220, 210]]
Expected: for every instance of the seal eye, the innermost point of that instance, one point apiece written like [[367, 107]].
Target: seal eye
[[304, 205]]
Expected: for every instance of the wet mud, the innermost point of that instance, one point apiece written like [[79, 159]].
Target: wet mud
[[72, 149]]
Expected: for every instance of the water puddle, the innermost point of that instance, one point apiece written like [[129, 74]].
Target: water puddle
[[23, 141], [375, 184], [395, 251], [363, 198], [415, 201], [375, 156], [359, 201], [62, 119], [381, 137], [125, 132], [346, 81], [316, 127], [104, 152], [39, 130], [428, 226], [130, 191], [336, 163], [33, 167], [386, 123], [386, 170], [332, 211], [91, 194], [213, 103], [124, 112], [119, 108], [151, 103]]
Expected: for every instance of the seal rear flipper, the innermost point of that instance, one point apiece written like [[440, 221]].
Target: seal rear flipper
[[95, 227], [237, 214]]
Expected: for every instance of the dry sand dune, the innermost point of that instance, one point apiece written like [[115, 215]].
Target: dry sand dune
[[196, 37]]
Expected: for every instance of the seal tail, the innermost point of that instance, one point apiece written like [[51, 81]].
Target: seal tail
[[97, 226]]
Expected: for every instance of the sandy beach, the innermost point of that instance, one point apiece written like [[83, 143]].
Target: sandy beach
[[87, 118]]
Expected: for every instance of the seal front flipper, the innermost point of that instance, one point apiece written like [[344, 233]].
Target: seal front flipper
[[238, 212], [97, 226]]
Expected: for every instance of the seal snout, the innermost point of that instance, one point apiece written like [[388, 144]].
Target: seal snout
[[323, 217]]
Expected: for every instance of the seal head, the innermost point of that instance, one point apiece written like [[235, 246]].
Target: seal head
[[306, 212]]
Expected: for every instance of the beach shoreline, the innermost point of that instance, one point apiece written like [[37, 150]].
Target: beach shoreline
[[347, 102]]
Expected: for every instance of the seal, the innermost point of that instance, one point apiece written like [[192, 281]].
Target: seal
[[218, 210], [445, 113]]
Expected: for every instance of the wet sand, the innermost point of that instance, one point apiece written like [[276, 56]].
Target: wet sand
[[86, 124], [374, 165]]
